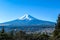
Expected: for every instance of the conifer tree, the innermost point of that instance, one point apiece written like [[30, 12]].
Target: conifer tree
[[58, 23], [57, 28], [3, 30]]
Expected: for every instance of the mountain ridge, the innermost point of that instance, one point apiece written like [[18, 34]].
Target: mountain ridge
[[28, 23], [28, 20]]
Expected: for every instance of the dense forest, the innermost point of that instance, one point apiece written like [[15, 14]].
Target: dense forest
[[22, 35]]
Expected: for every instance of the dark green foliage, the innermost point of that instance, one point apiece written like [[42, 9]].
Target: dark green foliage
[[5, 36], [57, 37], [20, 35], [43, 37], [3, 30], [56, 33], [58, 23]]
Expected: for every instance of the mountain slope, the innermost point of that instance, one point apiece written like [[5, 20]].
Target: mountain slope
[[28, 20], [28, 23]]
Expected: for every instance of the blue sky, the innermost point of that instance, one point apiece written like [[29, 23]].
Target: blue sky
[[41, 9]]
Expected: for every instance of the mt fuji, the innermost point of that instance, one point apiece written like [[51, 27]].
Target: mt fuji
[[28, 21]]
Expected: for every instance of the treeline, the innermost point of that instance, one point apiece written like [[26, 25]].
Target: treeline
[[22, 35]]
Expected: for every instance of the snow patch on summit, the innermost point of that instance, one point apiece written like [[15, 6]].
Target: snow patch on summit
[[25, 17]]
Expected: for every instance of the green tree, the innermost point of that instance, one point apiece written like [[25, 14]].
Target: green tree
[[57, 29], [2, 31], [20, 35], [5, 35], [44, 37]]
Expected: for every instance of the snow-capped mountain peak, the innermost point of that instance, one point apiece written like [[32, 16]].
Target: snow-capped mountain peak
[[25, 17]]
